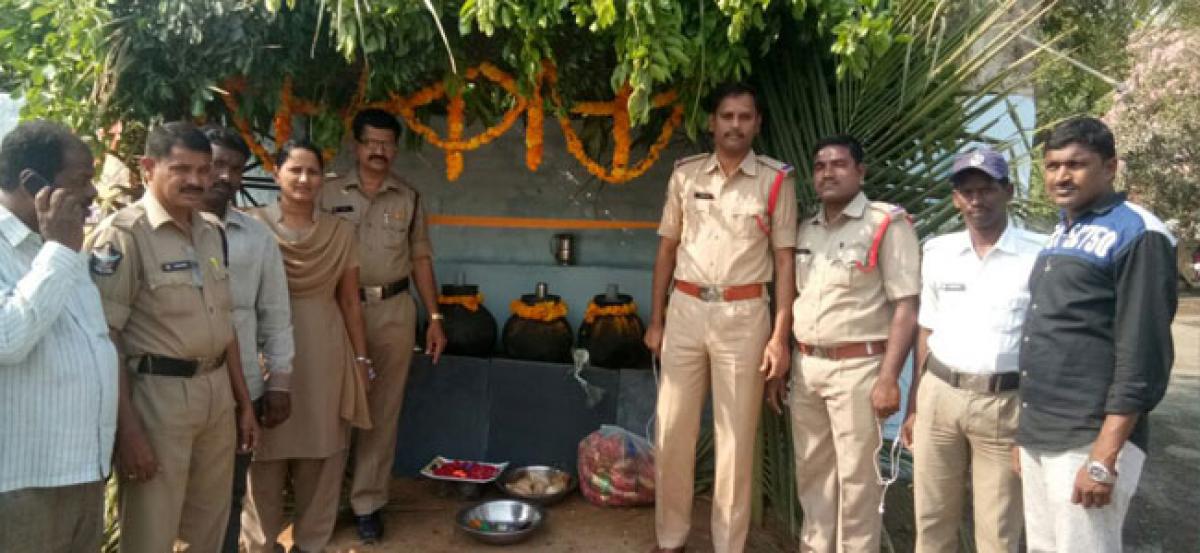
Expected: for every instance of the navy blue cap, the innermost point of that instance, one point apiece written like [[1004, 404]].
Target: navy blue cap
[[983, 159]]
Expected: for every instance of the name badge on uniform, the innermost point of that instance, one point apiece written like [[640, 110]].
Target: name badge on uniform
[[702, 196], [173, 266], [343, 209], [953, 287]]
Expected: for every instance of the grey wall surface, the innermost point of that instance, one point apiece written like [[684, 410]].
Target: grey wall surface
[[508, 262]]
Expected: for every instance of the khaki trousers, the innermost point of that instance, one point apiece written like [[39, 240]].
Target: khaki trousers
[[957, 430], [63, 519], [391, 332], [190, 425], [834, 433], [717, 345], [317, 484]]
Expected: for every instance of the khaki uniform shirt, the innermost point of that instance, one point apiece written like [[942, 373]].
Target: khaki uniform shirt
[[390, 227], [725, 236], [840, 297], [164, 287]]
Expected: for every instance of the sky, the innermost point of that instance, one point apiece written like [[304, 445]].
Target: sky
[[9, 110]]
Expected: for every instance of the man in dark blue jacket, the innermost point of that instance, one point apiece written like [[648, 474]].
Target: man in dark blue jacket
[[1097, 350]]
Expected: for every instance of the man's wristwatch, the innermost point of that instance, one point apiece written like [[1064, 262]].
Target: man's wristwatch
[[437, 317], [1099, 473]]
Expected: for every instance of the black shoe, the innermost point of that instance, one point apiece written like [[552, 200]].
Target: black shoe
[[370, 527]]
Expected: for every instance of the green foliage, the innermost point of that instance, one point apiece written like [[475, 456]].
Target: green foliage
[[96, 61], [911, 109], [171, 54], [1094, 32], [51, 54], [657, 43]]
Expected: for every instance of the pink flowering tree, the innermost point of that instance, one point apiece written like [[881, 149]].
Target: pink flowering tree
[[1157, 124]]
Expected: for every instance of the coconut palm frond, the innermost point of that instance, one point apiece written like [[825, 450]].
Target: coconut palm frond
[[946, 83]]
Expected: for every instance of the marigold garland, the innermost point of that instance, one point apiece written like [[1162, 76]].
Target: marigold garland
[[535, 116], [237, 84], [595, 311], [406, 108], [454, 129], [545, 311], [618, 109], [289, 105], [454, 145], [469, 302], [360, 95]]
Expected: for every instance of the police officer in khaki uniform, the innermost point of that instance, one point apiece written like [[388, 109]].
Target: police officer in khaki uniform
[[160, 267], [857, 281], [393, 244], [728, 225]]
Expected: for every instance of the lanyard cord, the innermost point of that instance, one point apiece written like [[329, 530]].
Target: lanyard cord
[[893, 453], [893, 464], [656, 370]]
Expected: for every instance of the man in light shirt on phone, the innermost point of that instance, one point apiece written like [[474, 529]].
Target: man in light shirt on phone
[[58, 368]]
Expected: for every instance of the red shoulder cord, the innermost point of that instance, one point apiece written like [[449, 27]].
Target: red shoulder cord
[[876, 243], [772, 199]]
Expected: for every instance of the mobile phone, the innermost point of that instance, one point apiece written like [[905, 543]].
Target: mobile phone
[[34, 182]]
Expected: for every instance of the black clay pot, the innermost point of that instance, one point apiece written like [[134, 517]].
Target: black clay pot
[[535, 340], [615, 341], [471, 333]]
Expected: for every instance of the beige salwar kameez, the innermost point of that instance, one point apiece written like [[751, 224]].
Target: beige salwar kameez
[[328, 395]]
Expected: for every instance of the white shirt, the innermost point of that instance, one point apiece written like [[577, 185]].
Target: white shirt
[[975, 306], [58, 368], [262, 312]]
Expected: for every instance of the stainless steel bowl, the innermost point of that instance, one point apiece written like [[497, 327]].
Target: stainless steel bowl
[[501, 521], [516, 474]]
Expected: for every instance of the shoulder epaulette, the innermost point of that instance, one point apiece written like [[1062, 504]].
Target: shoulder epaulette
[[891, 210], [785, 168], [685, 160], [125, 217], [210, 218]]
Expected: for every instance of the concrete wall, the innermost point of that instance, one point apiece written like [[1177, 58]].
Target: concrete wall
[[509, 262]]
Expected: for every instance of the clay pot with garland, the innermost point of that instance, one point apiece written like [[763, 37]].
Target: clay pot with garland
[[538, 329], [612, 332], [470, 327]]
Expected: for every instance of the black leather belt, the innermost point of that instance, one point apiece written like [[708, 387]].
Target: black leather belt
[[380, 293], [161, 365], [982, 383]]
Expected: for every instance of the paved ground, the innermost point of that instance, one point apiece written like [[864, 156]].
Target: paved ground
[[1164, 514], [1163, 517]]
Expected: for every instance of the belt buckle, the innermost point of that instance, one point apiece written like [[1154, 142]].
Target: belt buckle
[[710, 293], [820, 351], [373, 293]]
